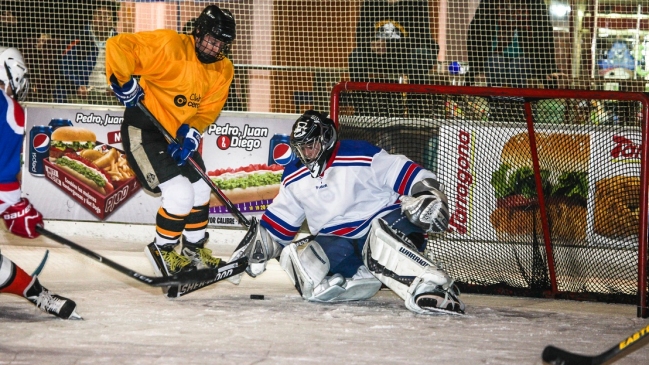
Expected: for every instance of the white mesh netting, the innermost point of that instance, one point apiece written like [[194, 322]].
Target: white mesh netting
[[289, 53]]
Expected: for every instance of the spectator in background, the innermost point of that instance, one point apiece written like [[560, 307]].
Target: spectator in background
[[83, 63], [39, 31], [511, 42], [188, 28], [9, 25], [393, 39]]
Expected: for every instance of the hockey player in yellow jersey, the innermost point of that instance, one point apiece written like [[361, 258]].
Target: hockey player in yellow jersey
[[184, 82]]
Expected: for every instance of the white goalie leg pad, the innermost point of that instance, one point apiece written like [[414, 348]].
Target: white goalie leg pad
[[408, 273], [307, 267], [363, 285]]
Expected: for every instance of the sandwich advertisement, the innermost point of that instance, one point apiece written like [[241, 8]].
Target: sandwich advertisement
[[75, 167], [590, 180]]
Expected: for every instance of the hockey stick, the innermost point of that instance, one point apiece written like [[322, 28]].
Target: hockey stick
[[40, 266], [177, 279], [224, 199], [234, 277], [556, 356]]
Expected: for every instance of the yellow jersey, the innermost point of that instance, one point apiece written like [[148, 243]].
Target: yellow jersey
[[178, 88]]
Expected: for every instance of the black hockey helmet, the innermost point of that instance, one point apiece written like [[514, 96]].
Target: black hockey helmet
[[313, 138], [218, 23]]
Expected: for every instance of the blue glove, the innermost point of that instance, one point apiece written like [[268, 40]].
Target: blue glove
[[129, 93], [188, 141]]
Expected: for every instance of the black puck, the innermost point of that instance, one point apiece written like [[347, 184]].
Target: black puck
[[257, 296]]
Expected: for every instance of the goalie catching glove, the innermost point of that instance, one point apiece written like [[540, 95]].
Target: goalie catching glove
[[427, 208]]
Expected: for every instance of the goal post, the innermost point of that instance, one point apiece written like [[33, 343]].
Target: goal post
[[547, 188]]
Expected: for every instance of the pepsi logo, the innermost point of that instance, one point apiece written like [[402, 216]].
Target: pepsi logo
[[41, 143], [282, 154]]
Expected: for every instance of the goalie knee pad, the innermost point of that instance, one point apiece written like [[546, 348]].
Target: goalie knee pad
[[307, 268], [424, 287]]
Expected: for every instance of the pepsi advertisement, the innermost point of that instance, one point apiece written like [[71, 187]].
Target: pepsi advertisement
[[244, 154]]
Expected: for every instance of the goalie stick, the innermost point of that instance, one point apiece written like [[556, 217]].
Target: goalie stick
[[224, 199], [215, 274], [556, 356]]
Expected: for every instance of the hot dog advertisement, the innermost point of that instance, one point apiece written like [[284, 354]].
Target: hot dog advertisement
[[590, 179], [246, 161], [75, 167], [92, 172], [248, 187]]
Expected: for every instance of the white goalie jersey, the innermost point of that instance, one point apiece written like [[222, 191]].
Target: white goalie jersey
[[361, 182]]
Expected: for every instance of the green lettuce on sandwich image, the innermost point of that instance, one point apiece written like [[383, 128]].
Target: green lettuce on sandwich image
[[563, 161], [249, 180], [253, 183]]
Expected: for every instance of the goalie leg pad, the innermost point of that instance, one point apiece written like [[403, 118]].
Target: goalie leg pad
[[425, 288], [307, 268], [363, 285]]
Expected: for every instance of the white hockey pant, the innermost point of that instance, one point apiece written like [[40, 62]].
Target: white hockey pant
[[408, 273], [307, 267]]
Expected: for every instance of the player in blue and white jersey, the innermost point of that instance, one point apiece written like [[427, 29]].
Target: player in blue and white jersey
[[20, 217], [369, 211]]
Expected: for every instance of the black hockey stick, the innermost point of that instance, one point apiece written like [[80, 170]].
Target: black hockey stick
[[224, 199], [556, 356], [215, 274], [226, 271], [180, 290]]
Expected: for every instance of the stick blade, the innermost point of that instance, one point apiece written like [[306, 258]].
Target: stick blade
[[555, 356], [225, 271], [192, 277]]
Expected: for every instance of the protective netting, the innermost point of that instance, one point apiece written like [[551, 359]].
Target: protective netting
[[588, 150], [289, 53]]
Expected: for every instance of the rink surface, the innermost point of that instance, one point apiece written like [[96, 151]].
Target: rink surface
[[126, 322]]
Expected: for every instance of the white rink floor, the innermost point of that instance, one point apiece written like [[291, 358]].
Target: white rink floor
[[126, 322]]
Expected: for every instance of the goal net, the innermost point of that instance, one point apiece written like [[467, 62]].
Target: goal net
[[547, 188]]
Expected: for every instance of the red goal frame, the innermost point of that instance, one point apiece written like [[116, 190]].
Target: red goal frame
[[529, 95]]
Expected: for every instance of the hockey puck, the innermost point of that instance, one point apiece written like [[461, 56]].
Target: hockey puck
[[257, 296]]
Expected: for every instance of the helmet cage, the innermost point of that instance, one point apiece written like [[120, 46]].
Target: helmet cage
[[14, 73], [219, 24], [310, 132]]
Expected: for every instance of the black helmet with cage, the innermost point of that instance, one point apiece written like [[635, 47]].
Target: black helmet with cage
[[313, 138], [218, 23]]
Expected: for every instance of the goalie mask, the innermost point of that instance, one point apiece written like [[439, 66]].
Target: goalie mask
[[214, 32], [13, 72], [313, 138]]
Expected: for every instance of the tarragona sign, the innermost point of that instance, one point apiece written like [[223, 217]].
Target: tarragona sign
[[473, 165]]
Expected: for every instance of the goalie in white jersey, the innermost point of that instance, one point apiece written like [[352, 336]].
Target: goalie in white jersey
[[369, 211]]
